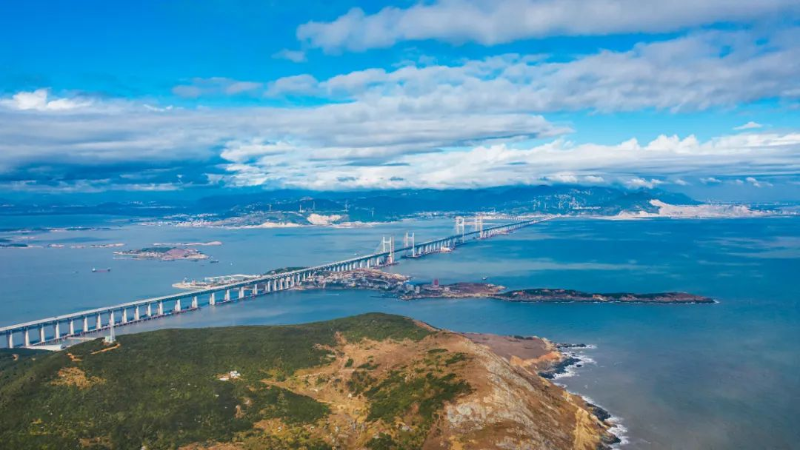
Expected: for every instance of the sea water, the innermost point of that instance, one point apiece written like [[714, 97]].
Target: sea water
[[721, 376]]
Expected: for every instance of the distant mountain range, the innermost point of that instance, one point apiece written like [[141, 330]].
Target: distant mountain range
[[366, 206]]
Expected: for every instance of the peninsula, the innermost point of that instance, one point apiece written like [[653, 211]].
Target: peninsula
[[399, 285], [373, 381]]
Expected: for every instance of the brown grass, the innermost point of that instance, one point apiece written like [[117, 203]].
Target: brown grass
[[73, 376]]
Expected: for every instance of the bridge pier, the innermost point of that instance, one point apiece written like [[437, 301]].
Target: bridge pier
[[271, 283]]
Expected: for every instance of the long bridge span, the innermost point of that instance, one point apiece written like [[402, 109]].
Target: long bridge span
[[53, 330]]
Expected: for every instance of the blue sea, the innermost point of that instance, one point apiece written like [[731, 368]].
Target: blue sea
[[723, 376]]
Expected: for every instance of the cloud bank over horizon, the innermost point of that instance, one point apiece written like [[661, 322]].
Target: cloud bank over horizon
[[434, 117]]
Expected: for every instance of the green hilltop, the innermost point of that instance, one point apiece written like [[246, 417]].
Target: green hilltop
[[162, 389]]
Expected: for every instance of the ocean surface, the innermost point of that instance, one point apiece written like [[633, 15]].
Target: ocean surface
[[723, 376]]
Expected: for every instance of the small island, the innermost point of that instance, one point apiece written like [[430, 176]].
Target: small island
[[164, 254], [399, 285], [571, 296]]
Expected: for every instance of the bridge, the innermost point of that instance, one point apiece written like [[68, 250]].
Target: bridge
[[53, 330]]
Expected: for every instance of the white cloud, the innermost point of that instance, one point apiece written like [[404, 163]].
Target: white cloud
[[681, 182], [294, 85], [559, 161], [243, 152], [643, 183], [238, 87], [468, 124], [565, 178], [491, 22], [749, 126], [187, 91], [755, 183], [198, 87], [141, 132], [377, 142], [593, 179], [39, 100], [686, 73], [297, 56]]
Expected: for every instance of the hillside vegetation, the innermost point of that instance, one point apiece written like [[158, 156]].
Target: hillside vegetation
[[371, 381]]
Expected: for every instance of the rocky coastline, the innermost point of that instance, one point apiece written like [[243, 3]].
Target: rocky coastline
[[550, 361]]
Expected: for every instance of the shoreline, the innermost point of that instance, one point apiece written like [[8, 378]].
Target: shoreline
[[552, 361], [568, 368]]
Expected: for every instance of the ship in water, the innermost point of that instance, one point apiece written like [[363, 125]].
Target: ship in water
[[96, 270]]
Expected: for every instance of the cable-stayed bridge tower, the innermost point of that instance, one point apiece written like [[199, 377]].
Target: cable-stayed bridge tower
[[387, 246], [461, 227], [408, 243], [478, 225]]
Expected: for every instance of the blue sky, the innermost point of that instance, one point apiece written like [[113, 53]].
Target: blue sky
[[698, 96]]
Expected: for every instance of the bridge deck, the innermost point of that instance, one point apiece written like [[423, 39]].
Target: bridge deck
[[283, 275]]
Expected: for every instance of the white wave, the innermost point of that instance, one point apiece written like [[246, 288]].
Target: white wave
[[567, 373], [618, 430]]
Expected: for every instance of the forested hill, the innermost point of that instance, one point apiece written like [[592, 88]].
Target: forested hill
[[372, 381]]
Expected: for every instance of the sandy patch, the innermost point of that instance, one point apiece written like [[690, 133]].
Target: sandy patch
[[73, 376]]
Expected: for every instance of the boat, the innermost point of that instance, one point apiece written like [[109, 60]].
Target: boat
[[214, 261], [100, 270]]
